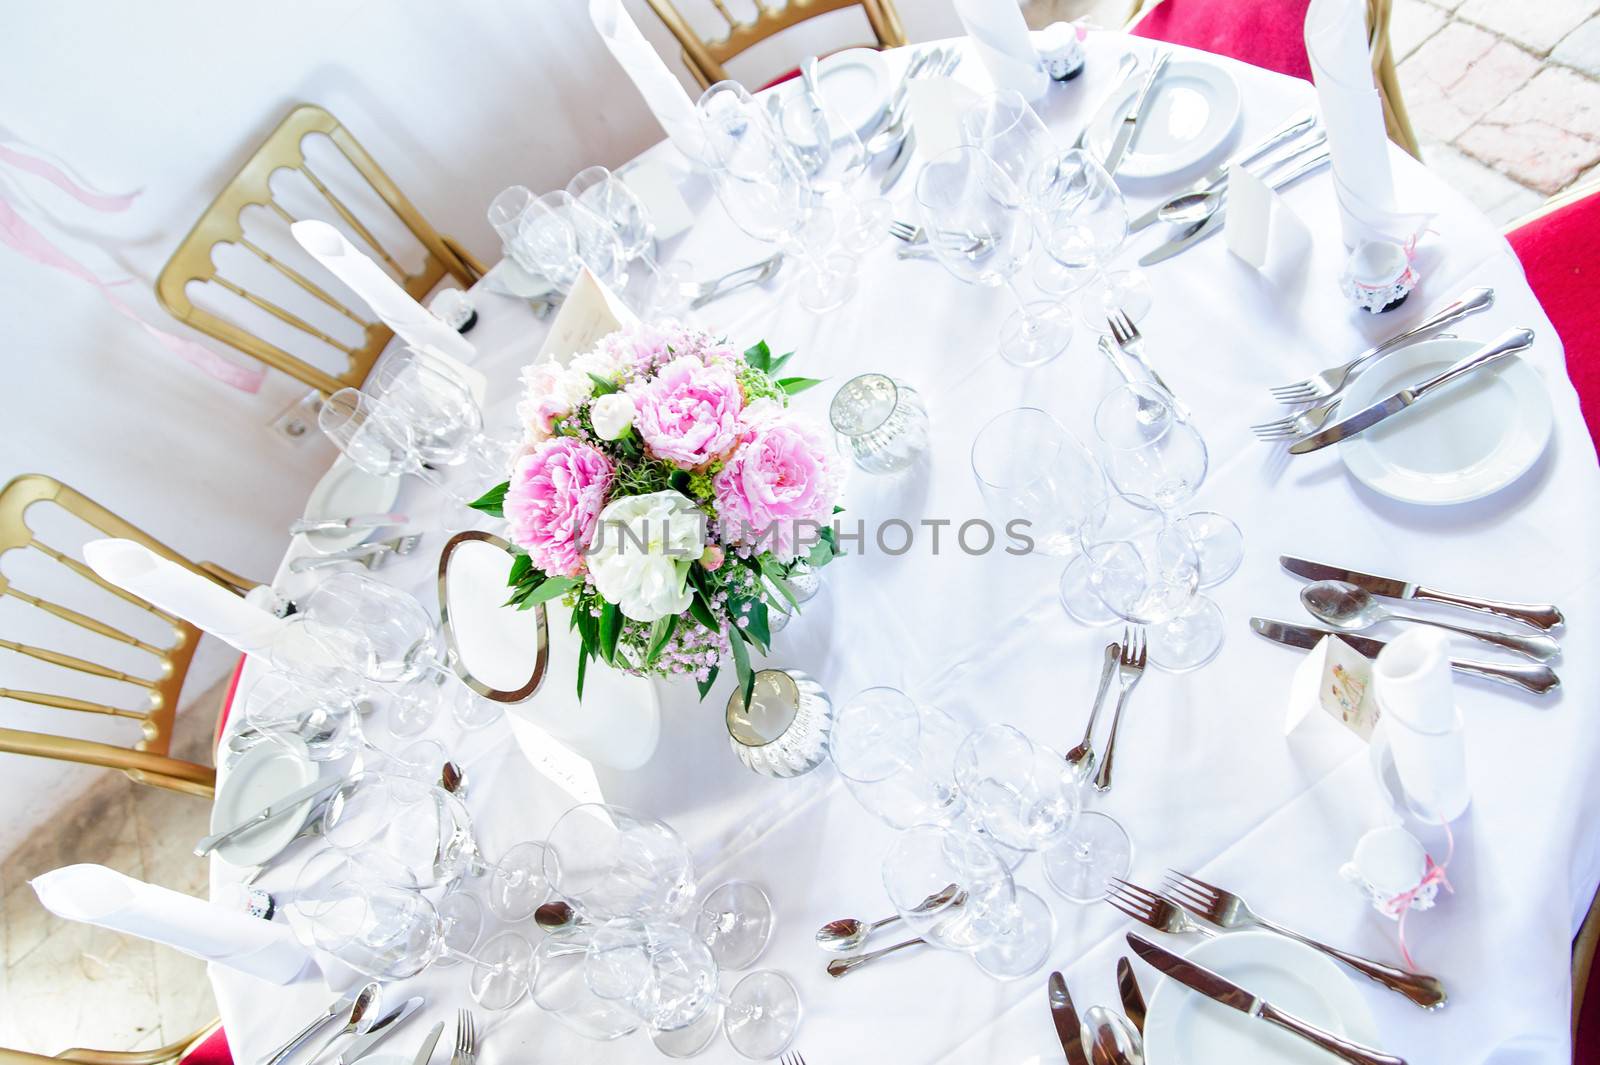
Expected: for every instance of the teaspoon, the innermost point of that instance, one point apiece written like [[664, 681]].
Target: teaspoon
[[1111, 1037], [839, 966], [1191, 207], [845, 935], [1351, 609], [555, 916], [362, 1015]]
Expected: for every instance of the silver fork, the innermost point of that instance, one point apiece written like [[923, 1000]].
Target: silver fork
[[758, 273], [906, 231], [792, 1058], [1128, 339], [1227, 910], [1146, 907], [1298, 424], [370, 555], [1332, 381], [466, 1050], [1130, 667]]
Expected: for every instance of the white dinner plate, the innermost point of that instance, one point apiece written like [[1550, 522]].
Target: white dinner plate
[[855, 83], [1183, 1027], [1191, 111], [265, 772], [344, 491], [1472, 438]]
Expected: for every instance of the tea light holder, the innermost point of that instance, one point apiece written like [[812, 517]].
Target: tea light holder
[[783, 731], [1379, 276], [1060, 47], [454, 307], [1389, 863]]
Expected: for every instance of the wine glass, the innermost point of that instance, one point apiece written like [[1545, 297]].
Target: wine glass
[[1084, 221], [1006, 929], [326, 719], [834, 160], [1010, 133], [897, 758], [1153, 456], [979, 226], [560, 987], [506, 214], [764, 190], [1028, 796], [562, 237], [1152, 578], [608, 863], [610, 198], [438, 408], [1029, 467]]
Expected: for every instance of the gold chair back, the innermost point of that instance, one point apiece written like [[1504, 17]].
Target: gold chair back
[[159, 1056], [194, 261], [705, 58], [155, 705], [1397, 122]]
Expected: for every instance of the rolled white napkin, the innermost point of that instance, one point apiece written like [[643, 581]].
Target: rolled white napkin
[[1000, 34], [411, 321], [1341, 67], [201, 602], [1414, 689], [100, 896], [663, 93]]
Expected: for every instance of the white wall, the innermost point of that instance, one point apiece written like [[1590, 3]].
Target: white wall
[[456, 101]]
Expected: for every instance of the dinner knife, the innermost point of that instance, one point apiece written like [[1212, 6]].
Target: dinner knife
[[381, 1029], [1130, 120], [1068, 1028], [431, 1040], [1537, 679], [1288, 131], [1503, 346], [1535, 615], [336, 1008], [276, 808], [1201, 230], [901, 160], [1219, 988], [359, 521], [1128, 991]]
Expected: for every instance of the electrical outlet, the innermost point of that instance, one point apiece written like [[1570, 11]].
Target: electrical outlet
[[297, 424]]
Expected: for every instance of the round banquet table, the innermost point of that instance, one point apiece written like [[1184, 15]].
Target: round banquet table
[[1207, 781]]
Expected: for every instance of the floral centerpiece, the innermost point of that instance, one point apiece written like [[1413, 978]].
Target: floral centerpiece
[[666, 494]]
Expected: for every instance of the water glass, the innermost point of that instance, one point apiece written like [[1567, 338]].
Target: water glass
[[437, 406], [1011, 133], [1030, 468], [610, 863], [783, 730], [672, 285], [559, 987], [883, 422], [898, 758], [1152, 578], [1084, 221]]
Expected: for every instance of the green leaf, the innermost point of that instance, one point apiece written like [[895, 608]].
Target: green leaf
[[588, 630], [583, 668], [759, 356], [823, 551], [493, 501], [774, 573], [706, 685], [741, 662], [551, 588], [700, 610], [660, 633], [760, 628], [521, 566], [796, 385], [777, 364], [610, 629], [602, 387]]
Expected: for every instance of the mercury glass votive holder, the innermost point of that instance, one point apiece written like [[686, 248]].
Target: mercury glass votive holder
[[783, 731], [883, 423]]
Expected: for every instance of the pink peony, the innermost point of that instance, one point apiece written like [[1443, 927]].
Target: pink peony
[[556, 494], [688, 414], [778, 487], [550, 391]]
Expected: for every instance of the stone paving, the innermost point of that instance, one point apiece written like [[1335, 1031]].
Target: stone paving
[[1504, 95]]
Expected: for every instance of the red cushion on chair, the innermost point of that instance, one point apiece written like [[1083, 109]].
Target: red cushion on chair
[[1263, 33], [781, 78], [227, 702], [213, 1051], [1558, 255]]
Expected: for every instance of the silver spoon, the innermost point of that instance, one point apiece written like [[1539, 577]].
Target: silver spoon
[[1191, 207], [362, 1015], [843, 936], [839, 966], [452, 779], [1081, 757], [1111, 1037], [1350, 609], [555, 917]]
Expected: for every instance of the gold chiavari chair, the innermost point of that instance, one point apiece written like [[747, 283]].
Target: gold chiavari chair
[[148, 760], [1395, 118], [705, 58], [194, 261], [201, 1046]]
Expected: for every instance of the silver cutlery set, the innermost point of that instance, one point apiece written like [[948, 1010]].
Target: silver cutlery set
[[372, 555], [1102, 1036], [847, 934], [893, 133], [1127, 343], [1345, 601], [1125, 664], [356, 1014]]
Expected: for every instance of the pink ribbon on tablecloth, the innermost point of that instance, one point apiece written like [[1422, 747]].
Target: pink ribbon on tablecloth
[[1433, 873], [19, 234]]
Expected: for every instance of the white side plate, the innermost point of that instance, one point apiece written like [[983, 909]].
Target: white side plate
[[265, 772], [1191, 111], [346, 490]]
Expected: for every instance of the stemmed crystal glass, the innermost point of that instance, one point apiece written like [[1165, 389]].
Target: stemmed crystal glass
[[664, 975], [560, 987], [1152, 578], [326, 719], [1011, 133], [1084, 221], [1155, 459], [897, 758], [765, 191], [506, 213], [980, 227], [438, 407], [1029, 797], [834, 161], [1008, 930], [610, 198], [561, 236]]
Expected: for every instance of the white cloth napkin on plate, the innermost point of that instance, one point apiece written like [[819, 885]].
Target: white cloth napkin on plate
[[100, 896], [663, 93], [196, 599], [1341, 67], [1000, 34], [411, 321], [1415, 691]]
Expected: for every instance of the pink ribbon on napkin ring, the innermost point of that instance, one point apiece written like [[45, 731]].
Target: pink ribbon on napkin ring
[[1433, 873], [25, 157]]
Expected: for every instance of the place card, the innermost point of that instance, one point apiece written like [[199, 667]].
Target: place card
[[556, 762], [1336, 678], [1260, 227], [657, 188], [590, 312], [934, 107]]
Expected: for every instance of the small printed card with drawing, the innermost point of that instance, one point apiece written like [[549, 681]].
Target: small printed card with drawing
[[1338, 679]]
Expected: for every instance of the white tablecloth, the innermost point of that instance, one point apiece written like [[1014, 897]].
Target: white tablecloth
[[1206, 781]]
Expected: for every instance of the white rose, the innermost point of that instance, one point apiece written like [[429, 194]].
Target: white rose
[[612, 415], [598, 362], [642, 549], [550, 391]]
